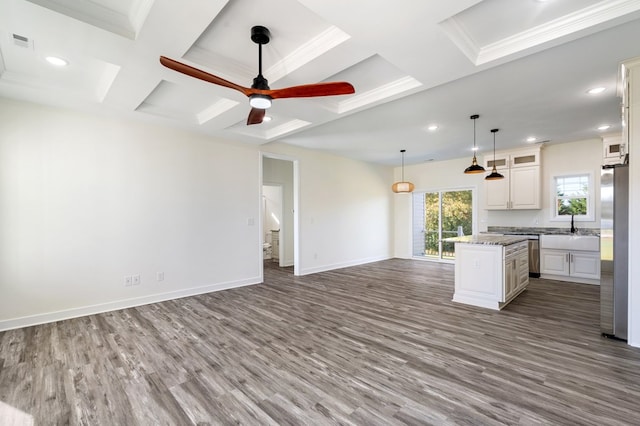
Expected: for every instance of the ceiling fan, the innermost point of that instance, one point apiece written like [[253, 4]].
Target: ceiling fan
[[260, 95]]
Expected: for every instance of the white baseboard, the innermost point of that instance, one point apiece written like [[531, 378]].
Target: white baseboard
[[324, 268], [48, 317], [569, 279]]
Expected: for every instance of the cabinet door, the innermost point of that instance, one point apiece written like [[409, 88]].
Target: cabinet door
[[525, 159], [501, 161], [496, 193], [554, 262], [585, 265], [525, 188], [523, 269], [510, 278]]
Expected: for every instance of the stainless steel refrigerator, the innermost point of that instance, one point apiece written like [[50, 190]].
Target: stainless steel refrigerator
[[614, 250]]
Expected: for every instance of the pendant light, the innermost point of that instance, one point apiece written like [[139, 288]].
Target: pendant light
[[474, 167], [402, 186], [494, 172]]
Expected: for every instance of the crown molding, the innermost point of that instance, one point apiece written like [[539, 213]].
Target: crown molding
[[376, 95], [565, 26], [312, 49], [216, 109]]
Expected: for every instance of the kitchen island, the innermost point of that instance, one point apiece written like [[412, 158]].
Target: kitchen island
[[490, 270]]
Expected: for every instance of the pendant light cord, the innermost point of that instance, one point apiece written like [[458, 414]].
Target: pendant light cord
[[494, 131], [474, 137]]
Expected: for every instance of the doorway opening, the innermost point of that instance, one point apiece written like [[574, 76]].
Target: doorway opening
[[272, 206], [279, 224]]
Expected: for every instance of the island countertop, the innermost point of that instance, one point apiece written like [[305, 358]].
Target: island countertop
[[487, 239]]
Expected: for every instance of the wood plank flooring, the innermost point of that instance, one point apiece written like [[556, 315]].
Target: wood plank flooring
[[377, 344]]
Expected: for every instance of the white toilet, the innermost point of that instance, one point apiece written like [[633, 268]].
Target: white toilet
[[266, 250]]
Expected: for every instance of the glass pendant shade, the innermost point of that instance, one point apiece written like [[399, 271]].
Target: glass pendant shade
[[402, 187], [474, 167], [494, 175]]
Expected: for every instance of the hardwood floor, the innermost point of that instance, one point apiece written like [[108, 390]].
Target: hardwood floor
[[377, 344]]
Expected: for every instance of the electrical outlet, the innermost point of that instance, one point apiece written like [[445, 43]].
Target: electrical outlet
[[136, 279], [160, 276], [128, 280]]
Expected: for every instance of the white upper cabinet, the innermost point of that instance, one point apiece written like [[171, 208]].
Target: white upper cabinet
[[520, 188]]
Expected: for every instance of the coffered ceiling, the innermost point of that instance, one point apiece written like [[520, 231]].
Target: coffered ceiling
[[523, 65]]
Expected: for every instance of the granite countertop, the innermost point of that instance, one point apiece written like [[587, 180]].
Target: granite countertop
[[494, 240], [517, 230]]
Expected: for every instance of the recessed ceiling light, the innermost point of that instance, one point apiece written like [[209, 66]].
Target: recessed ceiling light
[[58, 62], [266, 118], [532, 139], [433, 127], [604, 127], [596, 90]]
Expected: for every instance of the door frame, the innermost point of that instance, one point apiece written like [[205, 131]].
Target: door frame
[[296, 198], [474, 217]]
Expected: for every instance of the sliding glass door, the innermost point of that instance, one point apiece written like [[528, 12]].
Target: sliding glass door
[[439, 215]]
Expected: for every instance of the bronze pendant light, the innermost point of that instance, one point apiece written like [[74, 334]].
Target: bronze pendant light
[[400, 187], [494, 172], [474, 167]]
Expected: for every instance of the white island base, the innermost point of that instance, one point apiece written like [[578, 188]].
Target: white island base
[[490, 272]]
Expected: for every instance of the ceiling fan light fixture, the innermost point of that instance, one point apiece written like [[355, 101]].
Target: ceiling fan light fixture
[[474, 167], [260, 101], [402, 187], [494, 175]]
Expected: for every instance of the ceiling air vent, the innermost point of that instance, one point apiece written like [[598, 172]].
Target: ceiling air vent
[[21, 41]]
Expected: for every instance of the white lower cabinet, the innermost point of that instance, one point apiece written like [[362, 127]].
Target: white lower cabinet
[[573, 258], [516, 273], [275, 246], [579, 266], [490, 276]]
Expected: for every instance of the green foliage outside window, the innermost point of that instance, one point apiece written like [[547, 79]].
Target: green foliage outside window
[[457, 211], [575, 206], [572, 195]]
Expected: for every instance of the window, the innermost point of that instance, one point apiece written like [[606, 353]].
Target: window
[[573, 196], [438, 215]]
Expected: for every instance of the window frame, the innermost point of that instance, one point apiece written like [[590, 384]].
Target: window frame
[[591, 193]]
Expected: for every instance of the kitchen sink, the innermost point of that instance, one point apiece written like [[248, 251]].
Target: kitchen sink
[[570, 242]]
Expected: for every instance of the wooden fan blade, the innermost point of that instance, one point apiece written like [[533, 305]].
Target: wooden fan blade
[[202, 75], [256, 116], [312, 90]]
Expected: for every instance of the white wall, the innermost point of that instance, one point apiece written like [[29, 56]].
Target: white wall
[[426, 177], [634, 203], [86, 200], [574, 157], [345, 215]]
